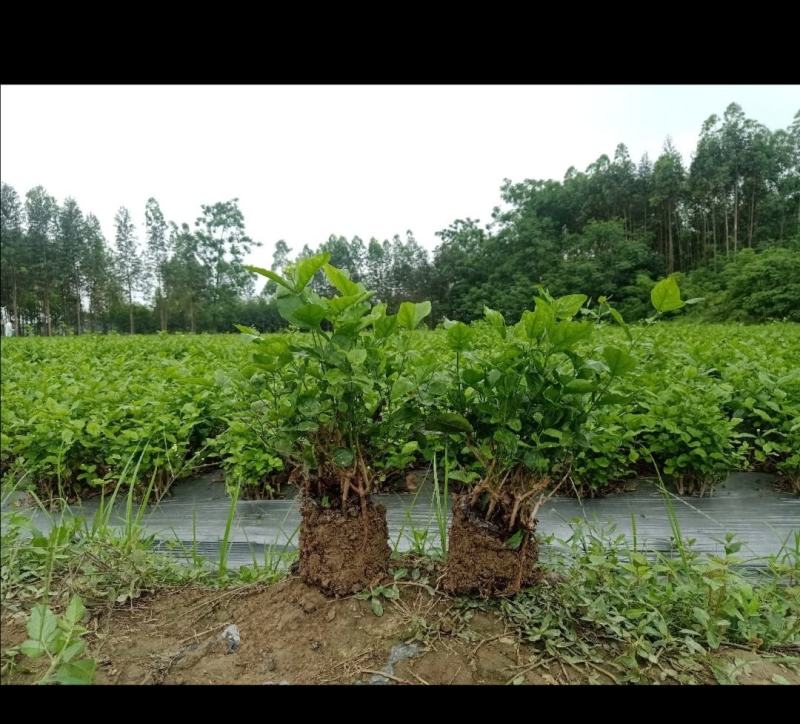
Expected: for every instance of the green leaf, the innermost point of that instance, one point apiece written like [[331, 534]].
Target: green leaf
[[93, 428], [701, 616], [76, 672], [666, 295], [449, 422], [618, 360], [307, 268], [32, 649], [458, 336], [339, 304], [401, 386], [275, 353], [410, 314], [568, 306], [515, 541], [580, 386], [377, 607], [612, 398], [535, 323], [385, 325], [472, 376], [75, 610], [288, 305], [621, 322], [269, 274], [73, 650], [340, 279], [357, 356], [42, 624], [496, 320], [343, 457], [565, 335], [297, 311], [310, 315]]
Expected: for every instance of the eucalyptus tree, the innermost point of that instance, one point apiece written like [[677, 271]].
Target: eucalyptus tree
[[158, 252], [41, 212], [668, 187], [70, 244], [12, 251], [129, 264]]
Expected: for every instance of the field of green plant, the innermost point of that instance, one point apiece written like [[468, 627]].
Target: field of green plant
[[569, 397], [702, 399]]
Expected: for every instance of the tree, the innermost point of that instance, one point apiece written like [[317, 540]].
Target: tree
[[622, 180], [668, 181], [101, 285], [41, 211], [158, 252], [280, 257], [12, 251], [409, 273], [128, 260], [221, 244], [185, 278], [281, 260], [70, 253], [376, 269]]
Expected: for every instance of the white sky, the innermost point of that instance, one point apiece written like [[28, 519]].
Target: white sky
[[309, 161]]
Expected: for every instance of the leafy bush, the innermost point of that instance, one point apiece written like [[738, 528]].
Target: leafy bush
[[522, 403], [752, 286], [682, 426], [340, 398]]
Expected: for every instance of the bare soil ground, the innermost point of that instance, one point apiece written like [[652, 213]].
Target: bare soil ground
[[291, 633]]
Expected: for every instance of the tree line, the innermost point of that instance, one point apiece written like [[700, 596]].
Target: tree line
[[60, 274], [609, 230]]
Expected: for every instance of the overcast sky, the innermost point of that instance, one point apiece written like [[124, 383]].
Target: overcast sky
[[310, 161]]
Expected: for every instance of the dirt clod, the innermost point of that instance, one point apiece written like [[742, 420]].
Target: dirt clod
[[343, 552], [480, 562]]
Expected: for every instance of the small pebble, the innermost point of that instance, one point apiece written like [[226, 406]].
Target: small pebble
[[231, 637]]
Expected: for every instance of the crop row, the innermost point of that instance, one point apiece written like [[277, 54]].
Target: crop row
[[701, 400]]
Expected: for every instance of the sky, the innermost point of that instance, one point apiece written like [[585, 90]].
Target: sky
[[306, 162]]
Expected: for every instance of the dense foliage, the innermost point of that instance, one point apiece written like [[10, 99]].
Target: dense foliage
[[702, 399]]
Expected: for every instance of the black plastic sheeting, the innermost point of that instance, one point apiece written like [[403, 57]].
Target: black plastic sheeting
[[748, 505]]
